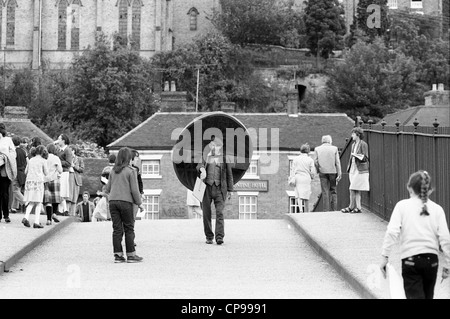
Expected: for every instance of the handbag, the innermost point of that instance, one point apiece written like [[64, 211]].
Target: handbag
[[291, 181]]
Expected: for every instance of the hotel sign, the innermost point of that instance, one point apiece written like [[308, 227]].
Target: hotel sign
[[252, 186]]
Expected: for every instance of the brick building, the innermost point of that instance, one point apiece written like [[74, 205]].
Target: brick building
[[50, 33], [258, 195], [428, 7]]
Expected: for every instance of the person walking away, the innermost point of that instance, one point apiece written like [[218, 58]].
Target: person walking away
[[8, 170], [193, 205], [123, 191], [421, 226], [85, 208], [328, 165], [217, 174], [19, 182], [66, 157], [358, 169], [304, 170], [52, 197], [34, 186]]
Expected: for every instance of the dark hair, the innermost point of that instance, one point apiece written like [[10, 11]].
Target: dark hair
[[112, 158], [87, 193], [134, 154], [36, 141], [24, 140], [65, 138], [51, 148], [74, 148], [359, 132], [40, 150], [420, 183], [16, 140], [304, 148], [3, 129], [123, 159]]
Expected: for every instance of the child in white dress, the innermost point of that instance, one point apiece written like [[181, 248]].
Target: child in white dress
[[36, 172]]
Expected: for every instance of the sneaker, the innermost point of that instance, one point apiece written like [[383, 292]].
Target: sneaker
[[7, 220], [209, 241], [25, 222], [134, 259], [219, 241], [119, 259]]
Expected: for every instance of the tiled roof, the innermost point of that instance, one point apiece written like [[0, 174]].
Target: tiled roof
[[25, 128], [155, 133], [425, 115]]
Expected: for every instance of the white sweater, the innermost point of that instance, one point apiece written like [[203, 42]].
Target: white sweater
[[418, 234]]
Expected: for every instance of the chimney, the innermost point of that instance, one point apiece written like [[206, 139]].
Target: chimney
[[173, 101], [227, 107], [16, 113], [437, 96]]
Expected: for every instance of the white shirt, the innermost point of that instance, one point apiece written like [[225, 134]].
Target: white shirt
[[7, 146], [418, 234]]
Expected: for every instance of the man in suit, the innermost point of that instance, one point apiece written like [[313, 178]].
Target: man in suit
[[328, 166], [218, 176]]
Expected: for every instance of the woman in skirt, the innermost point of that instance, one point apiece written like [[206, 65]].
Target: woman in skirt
[[358, 169], [52, 196], [34, 186]]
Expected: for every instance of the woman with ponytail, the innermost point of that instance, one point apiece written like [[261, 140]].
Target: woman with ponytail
[[422, 228]]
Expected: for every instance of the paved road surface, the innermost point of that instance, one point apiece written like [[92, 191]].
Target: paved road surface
[[261, 259]]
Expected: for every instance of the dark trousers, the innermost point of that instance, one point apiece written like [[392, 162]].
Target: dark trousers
[[329, 195], [4, 196], [213, 193], [123, 222], [419, 274], [50, 210]]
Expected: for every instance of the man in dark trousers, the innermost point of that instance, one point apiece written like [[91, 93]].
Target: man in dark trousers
[[218, 176]]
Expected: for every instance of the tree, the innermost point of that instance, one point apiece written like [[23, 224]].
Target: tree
[[372, 17], [110, 92], [226, 73], [258, 21], [373, 81], [325, 26]]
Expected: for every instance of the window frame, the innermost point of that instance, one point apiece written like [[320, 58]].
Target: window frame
[[251, 214]]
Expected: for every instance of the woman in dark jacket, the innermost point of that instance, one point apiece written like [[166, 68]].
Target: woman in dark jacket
[[123, 191]]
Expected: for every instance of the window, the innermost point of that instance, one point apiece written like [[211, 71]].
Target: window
[[416, 4], [252, 171], [150, 168], [392, 4], [123, 18], [193, 13], [151, 206], [75, 32], [248, 207], [136, 24], [293, 207], [62, 24], [11, 22]]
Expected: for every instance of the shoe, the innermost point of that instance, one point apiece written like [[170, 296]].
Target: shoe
[[134, 259], [119, 259], [56, 220], [355, 211], [49, 222], [209, 241], [346, 210], [13, 211], [7, 220], [25, 222], [37, 226], [66, 213], [219, 241]]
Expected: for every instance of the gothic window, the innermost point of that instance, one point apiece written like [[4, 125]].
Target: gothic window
[[193, 13], [136, 24], [123, 18], [75, 32], [11, 21], [62, 24]]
